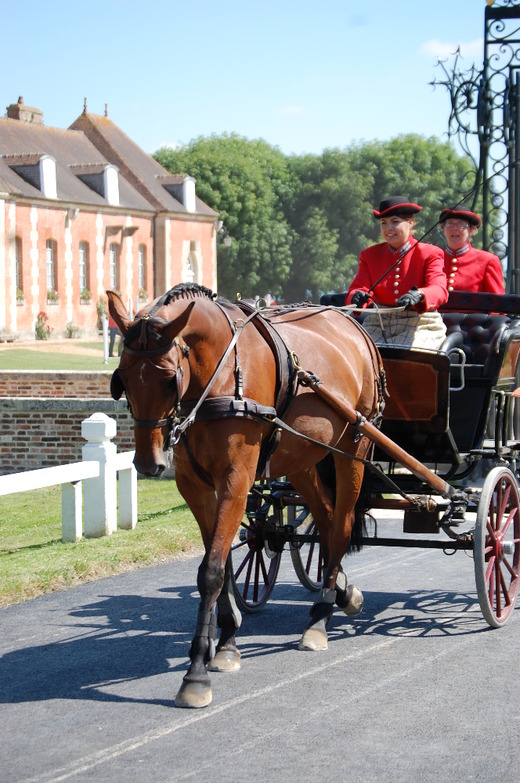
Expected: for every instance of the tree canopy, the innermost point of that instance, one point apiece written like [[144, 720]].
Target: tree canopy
[[294, 226]]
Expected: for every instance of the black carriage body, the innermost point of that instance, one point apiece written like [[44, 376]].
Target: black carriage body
[[453, 411], [444, 404]]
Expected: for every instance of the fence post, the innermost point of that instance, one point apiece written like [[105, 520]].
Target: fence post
[[71, 517], [128, 498], [100, 494]]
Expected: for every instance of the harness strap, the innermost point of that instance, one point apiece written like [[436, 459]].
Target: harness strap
[[286, 381], [223, 407], [183, 425]]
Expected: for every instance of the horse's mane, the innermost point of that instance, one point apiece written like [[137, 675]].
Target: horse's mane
[[187, 291], [142, 328]]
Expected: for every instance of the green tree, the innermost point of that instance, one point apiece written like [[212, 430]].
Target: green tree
[[245, 181], [294, 225], [324, 214], [425, 170]]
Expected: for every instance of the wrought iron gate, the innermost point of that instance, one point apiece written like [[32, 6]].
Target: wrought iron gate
[[485, 117]]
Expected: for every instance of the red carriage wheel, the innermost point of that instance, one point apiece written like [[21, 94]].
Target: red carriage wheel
[[254, 565], [497, 546], [305, 555]]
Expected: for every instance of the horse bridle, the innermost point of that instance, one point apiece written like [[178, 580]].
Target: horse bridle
[[142, 351], [176, 426]]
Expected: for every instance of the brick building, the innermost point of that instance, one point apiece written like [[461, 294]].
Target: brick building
[[85, 209]]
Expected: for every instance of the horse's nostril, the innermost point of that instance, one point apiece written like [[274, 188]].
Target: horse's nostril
[[152, 469]]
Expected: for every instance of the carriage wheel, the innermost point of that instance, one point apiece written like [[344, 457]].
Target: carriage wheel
[[254, 566], [306, 556], [497, 546]]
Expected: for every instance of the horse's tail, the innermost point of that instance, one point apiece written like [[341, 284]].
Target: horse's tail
[[359, 530]]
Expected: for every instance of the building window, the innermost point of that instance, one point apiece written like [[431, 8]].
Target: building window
[[19, 268], [83, 266], [114, 271], [51, 260], [141, 266]]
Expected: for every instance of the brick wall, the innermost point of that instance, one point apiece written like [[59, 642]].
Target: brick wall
[[41, 414]]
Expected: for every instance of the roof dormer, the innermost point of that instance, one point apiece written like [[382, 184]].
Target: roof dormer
[[181, 187], [38, 169], [102, 178]]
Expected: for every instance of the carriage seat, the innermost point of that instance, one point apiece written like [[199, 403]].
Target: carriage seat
[[477, 334]]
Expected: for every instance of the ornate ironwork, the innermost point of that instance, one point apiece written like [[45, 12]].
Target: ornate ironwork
[[485, 119]]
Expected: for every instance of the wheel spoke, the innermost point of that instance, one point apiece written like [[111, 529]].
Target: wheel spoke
[[497, 561], [252, 575]]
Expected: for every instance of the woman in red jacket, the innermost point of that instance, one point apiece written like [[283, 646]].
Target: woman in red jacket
[[468, 269], [402, 274]]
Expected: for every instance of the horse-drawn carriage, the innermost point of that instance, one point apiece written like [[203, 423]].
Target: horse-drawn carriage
[[455, 411], [302, 395]]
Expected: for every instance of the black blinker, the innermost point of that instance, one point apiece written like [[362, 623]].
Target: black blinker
[[116, 385]]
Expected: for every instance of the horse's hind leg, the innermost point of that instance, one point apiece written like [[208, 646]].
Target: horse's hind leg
[[337, 534], [229, 619]]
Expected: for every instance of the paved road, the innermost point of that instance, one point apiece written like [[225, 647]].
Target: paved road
[[416, 689]]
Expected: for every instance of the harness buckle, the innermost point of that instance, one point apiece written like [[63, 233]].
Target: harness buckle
[[175, 435]]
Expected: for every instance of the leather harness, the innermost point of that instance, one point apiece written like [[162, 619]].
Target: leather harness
[[288, 371]]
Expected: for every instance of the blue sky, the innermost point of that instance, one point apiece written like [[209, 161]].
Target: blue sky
[[303, 75]]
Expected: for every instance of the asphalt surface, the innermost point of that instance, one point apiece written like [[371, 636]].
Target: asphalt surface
[[418, 688]]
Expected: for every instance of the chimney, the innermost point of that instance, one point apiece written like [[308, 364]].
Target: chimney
[[19, 111]]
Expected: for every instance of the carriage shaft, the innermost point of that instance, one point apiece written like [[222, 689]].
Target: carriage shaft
[[383, 441]]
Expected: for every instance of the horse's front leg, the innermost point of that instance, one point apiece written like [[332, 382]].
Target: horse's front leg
[[195, 690], [229, 619]]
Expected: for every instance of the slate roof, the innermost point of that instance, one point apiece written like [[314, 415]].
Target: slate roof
[[86, 147], [143, 171]]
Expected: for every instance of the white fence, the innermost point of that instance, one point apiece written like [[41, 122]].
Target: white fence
[[89, 488]]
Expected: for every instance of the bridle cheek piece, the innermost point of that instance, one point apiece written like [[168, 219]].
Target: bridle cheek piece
[[117, 386]]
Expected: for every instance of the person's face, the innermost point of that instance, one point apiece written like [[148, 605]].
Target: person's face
[[457, 233], [395, 230]]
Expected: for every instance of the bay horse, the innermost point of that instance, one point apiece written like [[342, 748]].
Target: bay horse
[[219, 383]]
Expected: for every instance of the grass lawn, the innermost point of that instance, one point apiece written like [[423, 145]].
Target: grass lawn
[[62, 355], [34, 560]]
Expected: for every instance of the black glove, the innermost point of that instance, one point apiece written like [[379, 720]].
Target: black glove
[[410, 299], [360, 298]]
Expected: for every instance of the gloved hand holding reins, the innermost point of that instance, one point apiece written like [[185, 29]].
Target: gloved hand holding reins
[[410, 299], [359, 298]]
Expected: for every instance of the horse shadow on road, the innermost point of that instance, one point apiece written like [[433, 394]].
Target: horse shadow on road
[[123, 638]]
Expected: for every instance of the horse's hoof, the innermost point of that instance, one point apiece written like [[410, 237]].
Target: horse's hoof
[[313, 639], [355, 601], [225, 661], [194, 695]]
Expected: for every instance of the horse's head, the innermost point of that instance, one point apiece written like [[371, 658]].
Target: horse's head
[[152, 373]]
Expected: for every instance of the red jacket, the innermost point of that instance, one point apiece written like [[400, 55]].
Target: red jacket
[[421, 266], [474, 270]]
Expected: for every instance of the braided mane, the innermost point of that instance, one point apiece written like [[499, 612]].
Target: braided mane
[[187, 291], [143, 328]]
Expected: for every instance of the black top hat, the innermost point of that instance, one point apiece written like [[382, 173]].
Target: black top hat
[[396, 205], [462, 214]]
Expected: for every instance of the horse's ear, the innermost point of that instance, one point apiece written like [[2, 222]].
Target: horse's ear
[[116, 385], [173, 328], [118, 311]]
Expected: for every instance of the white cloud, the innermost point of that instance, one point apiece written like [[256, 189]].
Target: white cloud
[[290, 111], [470, 50]]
